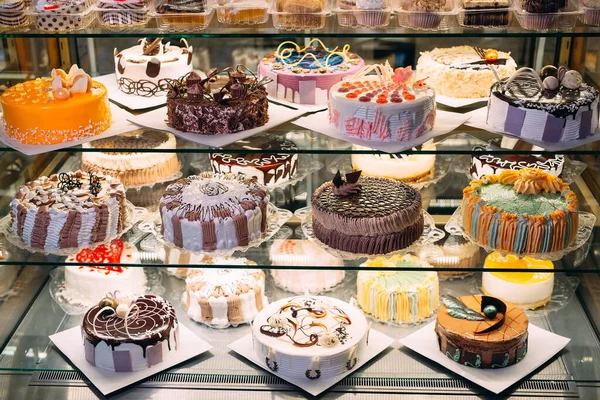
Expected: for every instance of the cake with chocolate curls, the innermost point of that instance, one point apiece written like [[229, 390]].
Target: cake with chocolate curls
[[218, 104]]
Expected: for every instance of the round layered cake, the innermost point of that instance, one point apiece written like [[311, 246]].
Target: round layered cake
[[214, 211], [529, 290], [305, 74], [398, 296], [268, 168], [223, 297], [495, 338], [526, 211], [366, 215], [89, 283], [133, 168], [148, 68], [126, 336], [493, 164], [310, 337], [72, 209]]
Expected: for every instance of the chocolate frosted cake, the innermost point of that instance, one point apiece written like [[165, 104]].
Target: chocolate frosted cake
[[214, 211], [493, 164], [218, 105], [366, 215], [123, 337], [269, 168], [482, 331]]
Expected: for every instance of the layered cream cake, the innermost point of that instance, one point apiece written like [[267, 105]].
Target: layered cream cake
[[529, 290], [133, 168], [90, 283], [398, 296], [310, 337], [294, 252]]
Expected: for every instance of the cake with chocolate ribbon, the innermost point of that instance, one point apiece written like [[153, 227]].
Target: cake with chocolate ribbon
[[304, 74], [482, 331], [524, 211], [123, 335], [366, 214], [310, 337]]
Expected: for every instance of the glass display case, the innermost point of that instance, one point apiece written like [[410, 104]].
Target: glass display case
[[33, 304]]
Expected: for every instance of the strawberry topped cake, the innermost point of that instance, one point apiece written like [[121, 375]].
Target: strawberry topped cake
[[384, 107]]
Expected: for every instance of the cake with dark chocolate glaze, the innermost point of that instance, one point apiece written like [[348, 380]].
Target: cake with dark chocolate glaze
[[482, 331], [366, 215], [218, 104], [123, 336]]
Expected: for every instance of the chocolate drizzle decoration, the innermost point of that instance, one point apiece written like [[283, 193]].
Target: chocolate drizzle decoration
[[500, 307], [459, 310], [68, 182]]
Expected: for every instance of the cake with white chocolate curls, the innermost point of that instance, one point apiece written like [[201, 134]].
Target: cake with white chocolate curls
[[218, 104], [366, 214], [124, 335], [71, 209], [482, 331], [310, 337], [214, 211]]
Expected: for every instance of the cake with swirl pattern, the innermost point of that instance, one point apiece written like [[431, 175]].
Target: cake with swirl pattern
[[214, 211], [120, 335], [366, 215], [120, 13], [310, 337]]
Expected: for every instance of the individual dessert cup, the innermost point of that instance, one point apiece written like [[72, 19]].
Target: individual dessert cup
[[484, 13], [543, 6], [182, 15], [345, 13], [591, 12], [426, 14], [13, 14], [373, 13], [63, 16], [242, 12], [454, 254], [123, 13], [537, 16], [299, 14]]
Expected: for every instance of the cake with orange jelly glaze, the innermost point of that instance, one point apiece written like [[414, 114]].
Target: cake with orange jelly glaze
[[526, 211], [58, 109]]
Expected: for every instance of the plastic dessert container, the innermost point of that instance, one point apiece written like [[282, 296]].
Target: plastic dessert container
[[63, 16], [563, 20], [299, 14], [173, 18], [590, 12], [434, 15], [484, 13], [233, 12], [14, 14], [363, 13], [123, 14]]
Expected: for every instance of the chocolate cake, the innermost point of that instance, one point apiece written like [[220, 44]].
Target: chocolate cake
[[494, 164], [482, 331], [265, 165], [218, 104], [366, 215]]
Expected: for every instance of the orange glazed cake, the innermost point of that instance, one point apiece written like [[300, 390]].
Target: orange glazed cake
[[524, 212], [58, 109]]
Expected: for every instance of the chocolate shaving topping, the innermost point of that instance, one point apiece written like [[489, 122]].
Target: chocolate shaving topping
[[153, 48]]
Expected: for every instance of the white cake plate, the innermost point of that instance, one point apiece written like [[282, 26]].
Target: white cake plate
[[275, 219], [72, 303], [587, 220], [431, 234], [134, 215]]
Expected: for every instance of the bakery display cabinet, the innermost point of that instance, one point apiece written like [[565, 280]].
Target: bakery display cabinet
[[262, 199]]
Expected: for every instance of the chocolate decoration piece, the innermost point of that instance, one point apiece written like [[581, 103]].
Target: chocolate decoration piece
[[121, 65], [352, 177], [549, 70], [153, 68], [459, 310], [68, 182], [500, 306], [189, 58], [153, 48], [337, 179]]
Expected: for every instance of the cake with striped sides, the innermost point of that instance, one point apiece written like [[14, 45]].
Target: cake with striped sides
[[398, 296], [13, 13], [527, 211], [123, 12], [214, 211], [68, 210]]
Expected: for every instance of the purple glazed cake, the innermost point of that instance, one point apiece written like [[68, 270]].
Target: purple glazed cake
[[218, 104]]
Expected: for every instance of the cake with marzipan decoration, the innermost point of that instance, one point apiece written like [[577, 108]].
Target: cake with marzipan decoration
[[482, 331], [397, 296], [121, 335], [366, 214], [524, 211], [214, 211], [58, 109], [72, 209], [133, 168]]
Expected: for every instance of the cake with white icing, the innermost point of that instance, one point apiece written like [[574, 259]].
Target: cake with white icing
[[386, 107], [133, 168], [494, 164], [304, 75], [71, 209], [294, 252], [267, 167], [90, 283], [222, 297], [214, 211], [310, 337], [146, 69], [121, 335]]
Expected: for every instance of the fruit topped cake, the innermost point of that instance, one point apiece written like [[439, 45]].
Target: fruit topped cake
[[304, 74], [65, 107], [526, 211]]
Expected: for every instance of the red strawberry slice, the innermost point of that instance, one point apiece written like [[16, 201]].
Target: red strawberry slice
[[48, 7]]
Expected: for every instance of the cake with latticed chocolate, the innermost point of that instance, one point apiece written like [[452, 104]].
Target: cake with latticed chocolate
[[367, 214]]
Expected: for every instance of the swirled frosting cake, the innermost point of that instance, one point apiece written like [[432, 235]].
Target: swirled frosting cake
[[366, 214], [124, 336], [214, 211], [310, 337]]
